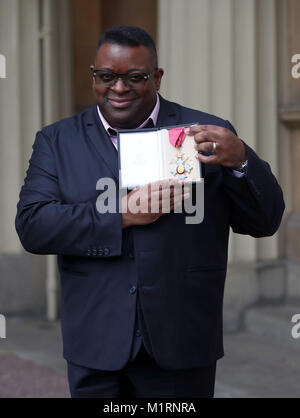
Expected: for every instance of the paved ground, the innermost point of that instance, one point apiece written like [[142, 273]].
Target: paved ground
[[31, 364], [256, 367], [31, 360]]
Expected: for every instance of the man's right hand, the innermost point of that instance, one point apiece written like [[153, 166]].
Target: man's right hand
[[146, 204]]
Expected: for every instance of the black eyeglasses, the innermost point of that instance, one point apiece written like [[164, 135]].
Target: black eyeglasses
[[133, 80]]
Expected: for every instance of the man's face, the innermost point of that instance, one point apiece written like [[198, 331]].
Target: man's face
[[121, 106]]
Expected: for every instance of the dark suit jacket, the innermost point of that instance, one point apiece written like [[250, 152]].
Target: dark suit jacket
[[179, 268]]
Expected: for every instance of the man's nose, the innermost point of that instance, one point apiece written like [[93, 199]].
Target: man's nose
[[119, 86]]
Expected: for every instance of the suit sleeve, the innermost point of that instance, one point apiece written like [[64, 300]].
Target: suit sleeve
[[256, 198], [46, 225]]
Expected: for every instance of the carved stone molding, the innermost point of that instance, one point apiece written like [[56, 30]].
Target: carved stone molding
[[290, 116]]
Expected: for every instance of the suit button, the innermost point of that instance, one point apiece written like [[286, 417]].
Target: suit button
[[131, 255], [106, 251], [100, 252], [88, 252], [94, 251], [138, 333], [132, 290]]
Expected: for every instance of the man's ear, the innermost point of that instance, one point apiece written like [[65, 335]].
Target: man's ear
[[158, 76], [92, 67]]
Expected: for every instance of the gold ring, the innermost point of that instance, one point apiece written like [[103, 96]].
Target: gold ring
[[214, 147]]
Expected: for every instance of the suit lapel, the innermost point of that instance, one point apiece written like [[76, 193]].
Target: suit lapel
[[167, 114], [102, 142], [104, 147]]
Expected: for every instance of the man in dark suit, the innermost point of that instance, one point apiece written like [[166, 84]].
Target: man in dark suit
[[141, 294]]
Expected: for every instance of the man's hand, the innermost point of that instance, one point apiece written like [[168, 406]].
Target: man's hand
[[146, 204], [228, 150]]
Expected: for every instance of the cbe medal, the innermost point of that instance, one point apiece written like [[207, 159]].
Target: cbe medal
[[182, 168]]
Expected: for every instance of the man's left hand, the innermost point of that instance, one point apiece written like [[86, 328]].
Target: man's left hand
[[227, 149]]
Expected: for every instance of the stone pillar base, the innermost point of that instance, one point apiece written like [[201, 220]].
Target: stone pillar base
[[293, 256], [249, 285]]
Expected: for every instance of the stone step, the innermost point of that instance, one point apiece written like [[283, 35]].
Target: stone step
[[256, 367], [275, 324]]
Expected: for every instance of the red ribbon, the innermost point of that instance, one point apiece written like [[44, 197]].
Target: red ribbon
[[177, 136]]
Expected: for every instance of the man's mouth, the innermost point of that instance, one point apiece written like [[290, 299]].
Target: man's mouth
[[120, 103]]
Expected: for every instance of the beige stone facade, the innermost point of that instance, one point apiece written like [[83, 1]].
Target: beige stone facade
[[227, 57]]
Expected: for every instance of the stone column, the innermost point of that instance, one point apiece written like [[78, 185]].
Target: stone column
[[290, 116], [20, 103], [21, 274], [220, 57], [56, 70], [10, 124]]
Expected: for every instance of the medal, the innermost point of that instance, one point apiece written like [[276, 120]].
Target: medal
[[182, 167]]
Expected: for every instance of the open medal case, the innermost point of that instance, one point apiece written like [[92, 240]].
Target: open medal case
[[148, 155]]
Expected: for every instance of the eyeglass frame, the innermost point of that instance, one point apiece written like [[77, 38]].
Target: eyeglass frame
[[123, 77]]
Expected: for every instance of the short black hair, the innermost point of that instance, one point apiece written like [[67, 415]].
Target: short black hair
[[128, 36]]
